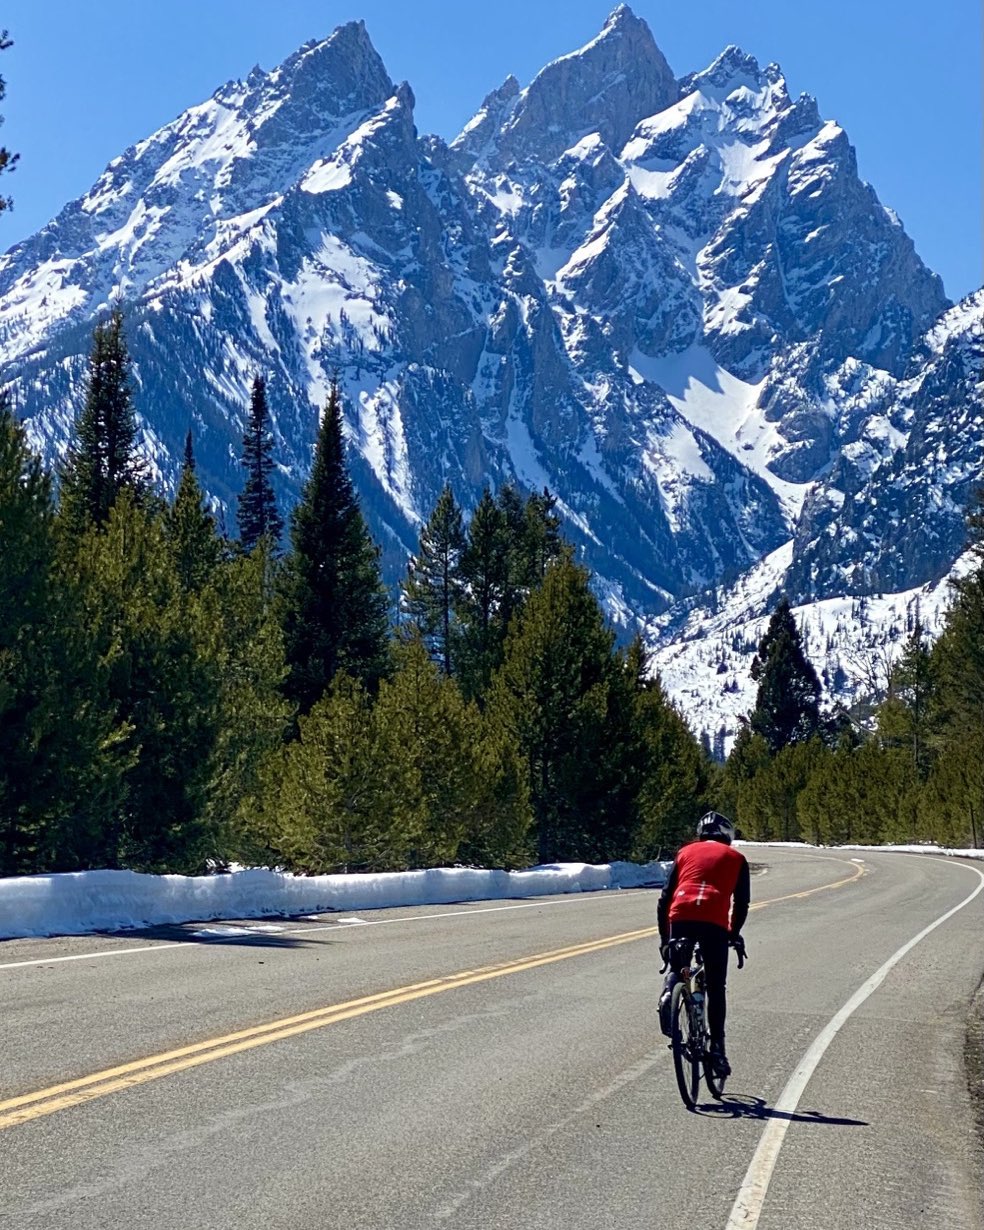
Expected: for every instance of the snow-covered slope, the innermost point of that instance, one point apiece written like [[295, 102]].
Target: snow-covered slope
[[672, 301], [704, 657]]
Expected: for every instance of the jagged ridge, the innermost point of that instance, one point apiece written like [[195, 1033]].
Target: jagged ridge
[[672, 301]]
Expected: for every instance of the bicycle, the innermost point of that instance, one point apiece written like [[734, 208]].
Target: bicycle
[[689, 1038]]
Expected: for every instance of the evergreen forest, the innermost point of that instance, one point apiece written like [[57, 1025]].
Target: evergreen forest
[[177, 699]]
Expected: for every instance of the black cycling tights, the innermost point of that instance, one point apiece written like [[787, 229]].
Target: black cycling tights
[[714, 946]]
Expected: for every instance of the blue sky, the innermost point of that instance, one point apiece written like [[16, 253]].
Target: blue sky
[[84, 81]]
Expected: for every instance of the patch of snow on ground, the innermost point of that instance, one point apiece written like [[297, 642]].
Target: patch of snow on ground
[[923, 848], [674, 460]]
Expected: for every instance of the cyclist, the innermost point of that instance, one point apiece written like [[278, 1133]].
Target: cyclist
[[705, 898]]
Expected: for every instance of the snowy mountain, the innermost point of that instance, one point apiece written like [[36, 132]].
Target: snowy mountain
[[703, 649], [673, 301]]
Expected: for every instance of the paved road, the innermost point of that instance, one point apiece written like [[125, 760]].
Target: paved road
[[496, 1066]]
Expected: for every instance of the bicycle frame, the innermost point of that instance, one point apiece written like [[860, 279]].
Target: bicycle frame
[[689, 1041], [690, 1046], [695, 984], [693, 974]]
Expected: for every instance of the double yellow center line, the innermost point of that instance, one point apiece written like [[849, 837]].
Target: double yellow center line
[[28, 1106]]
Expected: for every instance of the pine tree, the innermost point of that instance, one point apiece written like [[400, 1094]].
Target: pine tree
[[253, 716], [426, 730], [29, 695], [787, 704], [485, 577], [102, 461], [27, 549], [767, 802], [497, 831], [905, 718], [257, 514], [831, 803], [162, 682], [958, 709], [749, 754], [58, 766], [190, 529], [541, 540], [510, 545], [331, 802], [433, 586], [673, 775], [975, 522], [554, 695], [334, 604], [950, 808]]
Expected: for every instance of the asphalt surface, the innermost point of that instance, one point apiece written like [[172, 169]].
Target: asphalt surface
[[506, 1088]]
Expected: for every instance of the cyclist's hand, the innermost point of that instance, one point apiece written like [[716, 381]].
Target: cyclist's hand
[[664, 952], [737, 942]]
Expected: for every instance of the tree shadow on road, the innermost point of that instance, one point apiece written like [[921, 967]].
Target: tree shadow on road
[[242, 935], [746, 1106]]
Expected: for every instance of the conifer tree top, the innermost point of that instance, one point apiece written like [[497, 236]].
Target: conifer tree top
[[257, 514], [102, 460]]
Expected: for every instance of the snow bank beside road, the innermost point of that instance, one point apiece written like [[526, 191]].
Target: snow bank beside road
[[911, 849], [79, 902]]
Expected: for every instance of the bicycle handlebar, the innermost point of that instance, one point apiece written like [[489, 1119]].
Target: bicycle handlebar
[[738, 944]]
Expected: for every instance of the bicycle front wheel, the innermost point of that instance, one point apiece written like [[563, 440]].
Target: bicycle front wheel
[[715, 1083], [686, 1047]]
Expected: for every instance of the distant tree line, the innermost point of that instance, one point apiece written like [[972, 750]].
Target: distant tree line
[[911, 771], [175, 700]]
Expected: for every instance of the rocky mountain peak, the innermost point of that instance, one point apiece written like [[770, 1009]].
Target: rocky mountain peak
[[334, 76], [478, 136], [731, 69], [606, 86], [673, 303]]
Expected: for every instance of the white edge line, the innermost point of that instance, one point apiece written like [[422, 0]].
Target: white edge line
[[91, 956], [748, 1204], [567, 899]]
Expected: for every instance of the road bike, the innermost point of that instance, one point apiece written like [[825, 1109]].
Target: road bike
[[689, 1039]]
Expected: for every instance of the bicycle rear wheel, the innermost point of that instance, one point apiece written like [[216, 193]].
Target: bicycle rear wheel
[[686, 1047]]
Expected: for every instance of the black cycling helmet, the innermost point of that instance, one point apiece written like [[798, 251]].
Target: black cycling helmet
[[715, 827]]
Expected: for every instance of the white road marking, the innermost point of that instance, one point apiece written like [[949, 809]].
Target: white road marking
[[338, 925], [747, 1208], [89, 956], [568, 899]]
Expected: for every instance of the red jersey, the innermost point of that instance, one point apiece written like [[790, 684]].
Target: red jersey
[[707, 873]]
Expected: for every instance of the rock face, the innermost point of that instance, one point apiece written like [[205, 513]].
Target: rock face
[[671, 301], [604, 88], [890, 513]]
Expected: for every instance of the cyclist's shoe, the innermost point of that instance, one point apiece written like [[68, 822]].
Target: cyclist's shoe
[[664, 1013], [719, 1061]]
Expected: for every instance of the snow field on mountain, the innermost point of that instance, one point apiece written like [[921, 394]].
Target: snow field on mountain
[[654, 295], [725, 407], [851, 643]]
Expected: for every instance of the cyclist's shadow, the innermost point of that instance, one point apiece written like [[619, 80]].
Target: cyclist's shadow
[[745, 1106]]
